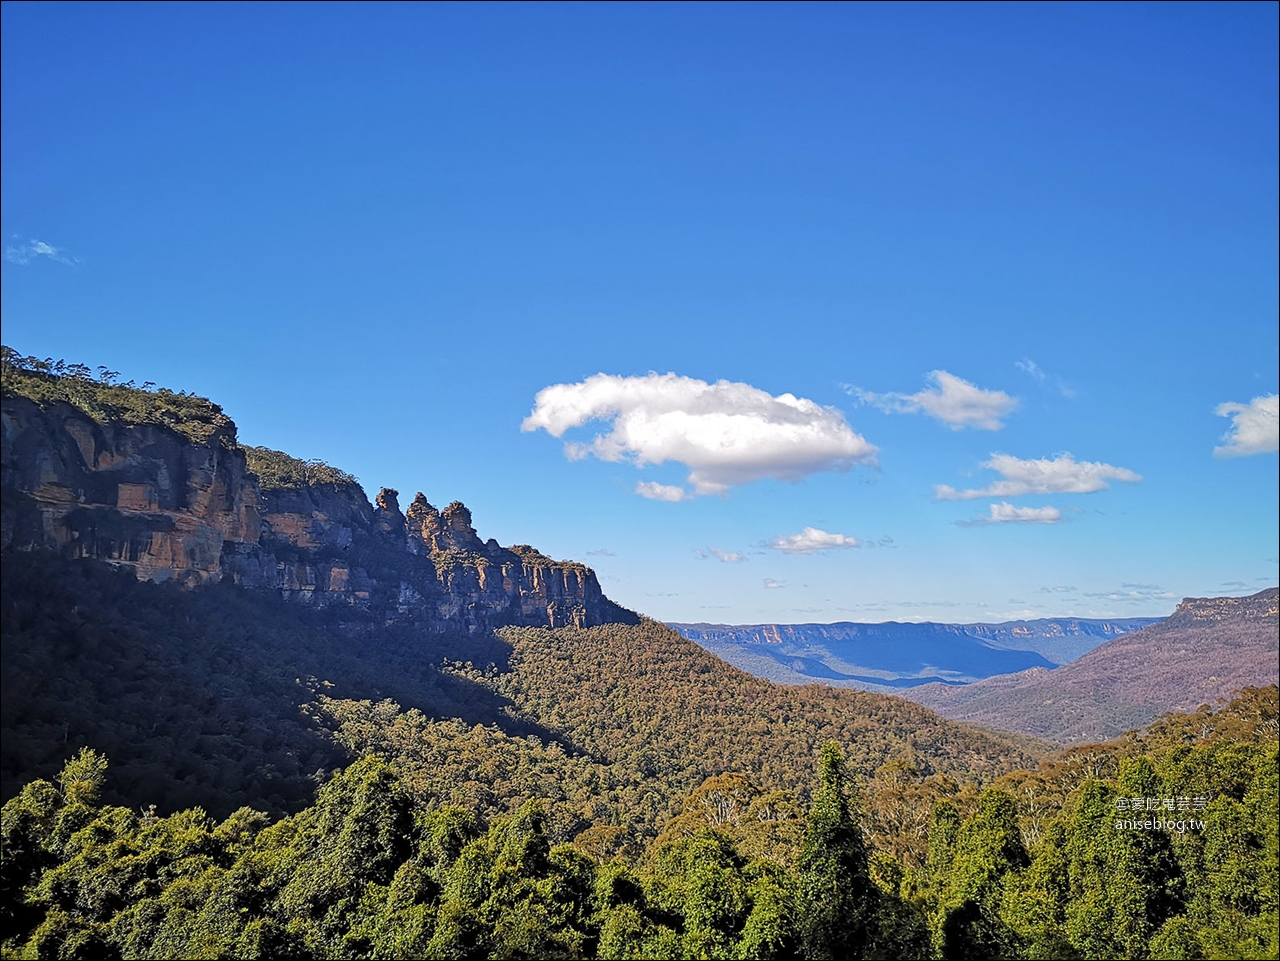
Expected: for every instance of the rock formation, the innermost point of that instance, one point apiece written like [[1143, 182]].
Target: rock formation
[[170, 507]]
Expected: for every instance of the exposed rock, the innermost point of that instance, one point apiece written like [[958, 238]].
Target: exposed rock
[[387, 517], [457, 533], [1203, 611], [141, 495], [172, 508], [423, 525]]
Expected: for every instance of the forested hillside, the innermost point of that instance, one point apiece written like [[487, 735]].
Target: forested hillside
[[1163, 846], [223, 697]]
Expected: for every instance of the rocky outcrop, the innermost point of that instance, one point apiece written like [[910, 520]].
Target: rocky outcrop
[[147, 497], [1260, 607], [139, 495]]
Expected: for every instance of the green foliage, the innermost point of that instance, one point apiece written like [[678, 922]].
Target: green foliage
[[988, 855], [278, 471], [1124, 883], [510, 895], [107, 401], [373, 869], [840, 901], [82, 777]]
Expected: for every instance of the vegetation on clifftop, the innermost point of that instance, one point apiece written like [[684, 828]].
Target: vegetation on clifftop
[[276, 470], [108, 400]]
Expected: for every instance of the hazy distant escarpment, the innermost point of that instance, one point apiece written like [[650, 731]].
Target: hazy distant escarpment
[[1209, 648], [891, 656], [156, 481]]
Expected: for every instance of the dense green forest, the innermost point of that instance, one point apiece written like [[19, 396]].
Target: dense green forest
[[374, 869], [285, 785]]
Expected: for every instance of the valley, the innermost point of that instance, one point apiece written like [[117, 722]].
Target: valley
[[890, 657], [249, 713]]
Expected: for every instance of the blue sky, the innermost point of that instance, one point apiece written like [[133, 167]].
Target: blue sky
[[892, 311]]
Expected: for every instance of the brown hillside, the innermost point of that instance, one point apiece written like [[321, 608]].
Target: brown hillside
[[1208, 649]]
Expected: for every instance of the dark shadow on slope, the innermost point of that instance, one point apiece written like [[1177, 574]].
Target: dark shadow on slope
[[206, 697]]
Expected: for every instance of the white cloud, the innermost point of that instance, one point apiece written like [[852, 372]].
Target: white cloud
[[1006, 513], [771, 585], [954, 401], [1062, 475], [726, 433], [1135, 592], [1255, 427], [1031, 368], [810, 540], [726, 557], [28, 250], [1041, 376], [659, 492]]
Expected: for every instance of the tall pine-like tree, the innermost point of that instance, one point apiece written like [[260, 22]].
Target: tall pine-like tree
[[840, 900]]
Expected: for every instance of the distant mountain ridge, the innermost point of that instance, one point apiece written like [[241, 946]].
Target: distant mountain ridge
[[1209, 648], [891, 656]]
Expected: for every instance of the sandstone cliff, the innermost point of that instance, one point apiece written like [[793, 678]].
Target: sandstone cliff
[[188, 506]]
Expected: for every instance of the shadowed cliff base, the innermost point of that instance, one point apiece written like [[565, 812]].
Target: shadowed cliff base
[[213, 696]]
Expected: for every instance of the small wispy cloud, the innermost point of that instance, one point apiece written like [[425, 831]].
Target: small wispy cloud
[[1031, 369], [726, 557], [952, 400], [1061, 475], [1043, 377], [661, 492], [771, 585], [602, 552], [1006, 513], [1135, 593], [25, 251], [1056, 589], [1255, 427], [810, 541]]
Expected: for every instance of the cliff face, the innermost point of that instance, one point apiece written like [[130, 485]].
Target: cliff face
[[1197, 611], [173, 508]]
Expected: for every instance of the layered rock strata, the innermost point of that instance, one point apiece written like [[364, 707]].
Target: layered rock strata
[[146, 497]]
